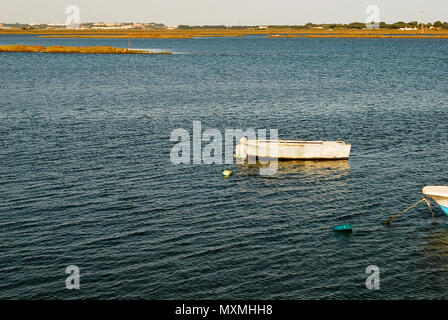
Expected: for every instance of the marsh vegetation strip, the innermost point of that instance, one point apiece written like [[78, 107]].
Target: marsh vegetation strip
[[194, 33], [65, 49], [379, 36]]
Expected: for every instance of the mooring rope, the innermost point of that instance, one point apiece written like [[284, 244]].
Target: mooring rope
[[409, 208], [404, 211], [429, 205]]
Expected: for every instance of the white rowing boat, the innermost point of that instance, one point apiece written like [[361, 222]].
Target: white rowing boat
[[293, 149], [439, 194]]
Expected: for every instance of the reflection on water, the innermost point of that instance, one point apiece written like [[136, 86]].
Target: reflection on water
[[306, 167], [437, 244], [342, 237]]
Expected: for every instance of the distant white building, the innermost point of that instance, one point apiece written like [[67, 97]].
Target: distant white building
[[262, 27], [408, 29]]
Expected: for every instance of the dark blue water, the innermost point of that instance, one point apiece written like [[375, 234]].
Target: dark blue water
[[86, 179]]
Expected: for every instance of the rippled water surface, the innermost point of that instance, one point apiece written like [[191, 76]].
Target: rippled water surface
[[86, 178]]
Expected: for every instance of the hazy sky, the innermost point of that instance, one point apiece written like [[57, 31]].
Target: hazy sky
[[229, 12]]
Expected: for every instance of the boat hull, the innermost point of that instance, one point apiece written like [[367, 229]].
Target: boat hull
[[293, 150], [439, 194], [445, 209]]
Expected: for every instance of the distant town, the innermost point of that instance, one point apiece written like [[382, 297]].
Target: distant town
[[85, 26], [413, 25]]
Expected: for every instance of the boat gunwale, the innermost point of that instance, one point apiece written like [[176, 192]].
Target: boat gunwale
[[294, 142], [436, 191]]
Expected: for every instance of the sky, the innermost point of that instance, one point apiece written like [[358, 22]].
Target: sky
[[228, 12]]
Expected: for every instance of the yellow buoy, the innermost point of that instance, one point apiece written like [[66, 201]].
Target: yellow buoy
[[148, 115], [227, 173]]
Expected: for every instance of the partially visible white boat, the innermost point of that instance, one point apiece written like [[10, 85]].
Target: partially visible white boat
[[293, 149], [439, 194]]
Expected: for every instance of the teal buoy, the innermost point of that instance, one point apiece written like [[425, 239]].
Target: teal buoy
[[343, 227]]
